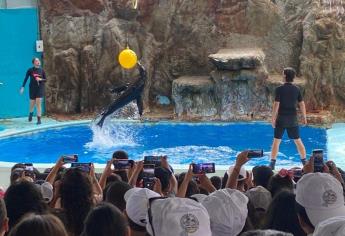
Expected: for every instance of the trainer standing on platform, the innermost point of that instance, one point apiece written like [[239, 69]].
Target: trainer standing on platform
[[284, 115], [36, 88]]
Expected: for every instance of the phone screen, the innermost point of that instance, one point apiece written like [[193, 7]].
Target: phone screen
[[70, 158], [255, 153], [86, 167], [149, 170], [122, 164], [152, 160], [204, 168], [318, 160]]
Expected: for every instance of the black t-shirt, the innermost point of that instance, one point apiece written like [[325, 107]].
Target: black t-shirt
[[288, 95]]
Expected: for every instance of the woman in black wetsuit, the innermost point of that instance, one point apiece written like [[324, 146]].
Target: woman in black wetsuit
[[36, 88]]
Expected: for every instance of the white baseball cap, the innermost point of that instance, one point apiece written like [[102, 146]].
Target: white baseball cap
[[243, 173], [260, 197], [198, 196], [46, 190], [321, 195], [137, 200], [331, 227], [228, 211], [178, 216]]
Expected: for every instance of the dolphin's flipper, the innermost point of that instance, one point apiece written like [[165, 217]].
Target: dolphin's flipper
[[140, 105]]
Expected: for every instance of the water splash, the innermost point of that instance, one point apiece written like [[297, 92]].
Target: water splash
[[112, 135]]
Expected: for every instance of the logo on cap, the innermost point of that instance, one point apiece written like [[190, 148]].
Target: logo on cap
[[329, 197], [189, 223]]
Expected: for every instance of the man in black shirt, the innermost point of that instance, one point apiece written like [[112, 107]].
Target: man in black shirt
[[36, 88], [284, 115]]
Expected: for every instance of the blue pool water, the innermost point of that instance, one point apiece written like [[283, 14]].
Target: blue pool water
[[182, 142]]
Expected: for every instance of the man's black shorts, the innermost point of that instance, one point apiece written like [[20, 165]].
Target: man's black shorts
[[293, 132]]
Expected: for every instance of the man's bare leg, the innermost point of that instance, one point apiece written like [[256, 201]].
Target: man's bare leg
[[301, 150], [274, 152]]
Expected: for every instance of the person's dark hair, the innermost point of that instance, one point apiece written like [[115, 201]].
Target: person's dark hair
[[76, 198], [164, 176], [3, 213], [134, 226], [262, 175], [113, 178], [281, 214], [225, 179], [115, 194], [104, 220], [301, 212], [192, 189], [120, 154], [122, 174], [216, 181], [289, 73], [181, 178], [43, 225], [278, 183], [21, 198], [17, 165]]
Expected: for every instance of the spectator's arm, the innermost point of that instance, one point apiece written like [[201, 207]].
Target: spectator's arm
[[106, 172], [52, 175], [304, 111], [241, 159], [333, 170], [206, 183], [138, 167], [172, 180], [184, 185], [157, 187], [173, 183], [309, 166], [96, 187]]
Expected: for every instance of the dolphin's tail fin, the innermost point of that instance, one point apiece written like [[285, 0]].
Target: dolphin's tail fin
[[101, 121]]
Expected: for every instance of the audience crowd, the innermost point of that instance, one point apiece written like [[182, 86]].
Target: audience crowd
[[77, 201]]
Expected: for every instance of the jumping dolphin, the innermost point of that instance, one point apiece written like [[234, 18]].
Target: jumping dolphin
[[132, 92]]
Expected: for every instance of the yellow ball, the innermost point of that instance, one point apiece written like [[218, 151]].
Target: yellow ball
[[127, 58]]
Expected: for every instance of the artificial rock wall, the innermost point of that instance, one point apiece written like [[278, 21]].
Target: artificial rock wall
[[173, 38]]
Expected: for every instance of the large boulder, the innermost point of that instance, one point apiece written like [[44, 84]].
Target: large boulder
[[237, 59], [194, 97]]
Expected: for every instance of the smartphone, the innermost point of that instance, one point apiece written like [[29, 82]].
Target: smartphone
[[29, 170], [255, 153], [85, 167], [149, 170], [318, 160], [148, 182], [123, 164], [297, 173], [204, 168], [29, 166], [152, 160], [70, 158]]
